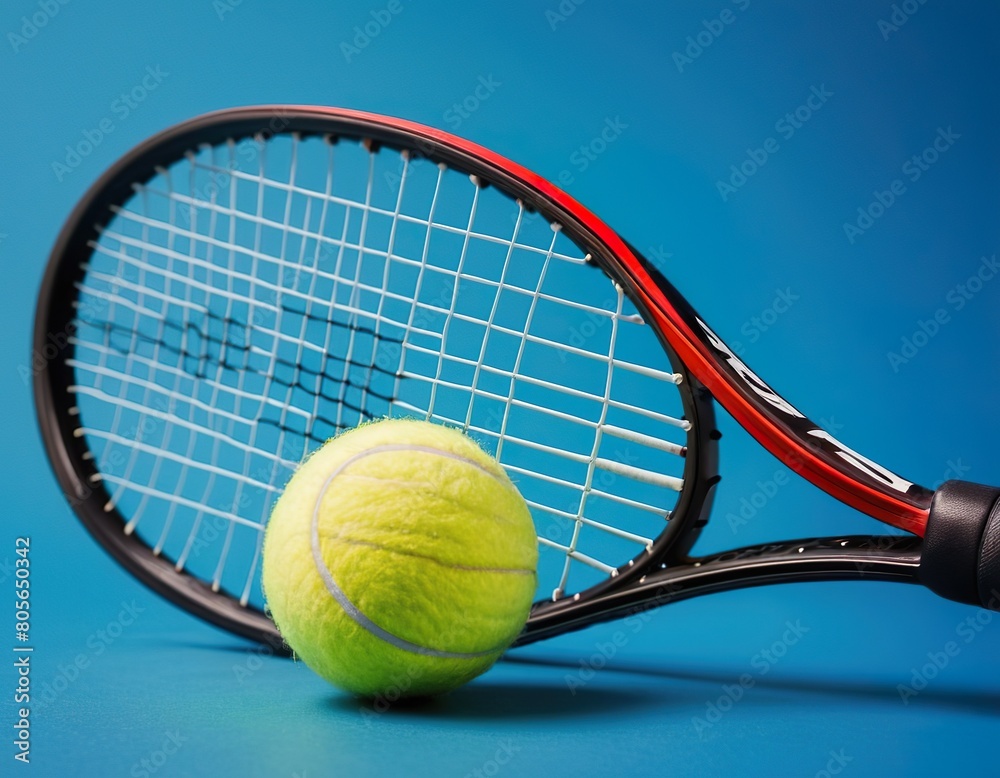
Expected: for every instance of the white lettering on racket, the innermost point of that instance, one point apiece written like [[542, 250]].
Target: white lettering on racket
[[766, 393], [876, 471], [753, 381]]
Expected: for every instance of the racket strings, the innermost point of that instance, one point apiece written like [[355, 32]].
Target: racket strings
[[149, 390], [326, 240], [241, 309], [594, 460], [215, 353]]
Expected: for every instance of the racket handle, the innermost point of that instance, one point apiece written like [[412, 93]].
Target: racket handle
[[961, 552]]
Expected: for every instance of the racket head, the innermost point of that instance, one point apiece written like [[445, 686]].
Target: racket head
[[81, 470]]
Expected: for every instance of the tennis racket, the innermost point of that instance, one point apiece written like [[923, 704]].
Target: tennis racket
[[245, 285]]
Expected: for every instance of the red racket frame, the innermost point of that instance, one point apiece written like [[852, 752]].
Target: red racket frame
[[824, 462]]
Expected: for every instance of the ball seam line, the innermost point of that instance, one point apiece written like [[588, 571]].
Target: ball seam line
[[341, 597], [446, 565]]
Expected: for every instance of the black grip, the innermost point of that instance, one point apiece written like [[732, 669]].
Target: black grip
[[989, 561], [961, 552]]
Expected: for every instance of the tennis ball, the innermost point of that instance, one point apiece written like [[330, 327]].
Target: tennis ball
[[400, 560]]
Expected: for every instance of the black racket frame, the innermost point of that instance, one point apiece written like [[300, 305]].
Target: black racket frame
[[663, 573]]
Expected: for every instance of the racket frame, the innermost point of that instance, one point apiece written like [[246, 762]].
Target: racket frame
[[705, 375]]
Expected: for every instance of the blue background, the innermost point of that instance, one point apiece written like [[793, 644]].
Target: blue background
[[120, 671]]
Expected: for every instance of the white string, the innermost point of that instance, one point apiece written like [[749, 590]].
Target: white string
[[328, 306], [509, 351], [341, 244], [143, 415], [387, 264], [192, 439], [215, 383], [451, 316], [498, 293], [592, 460], [407, 218], [511, 401], [422, 267], [233, 419], [170, 418], [227, 542]]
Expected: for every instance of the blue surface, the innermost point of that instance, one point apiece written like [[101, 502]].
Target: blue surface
[[879, 96]]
